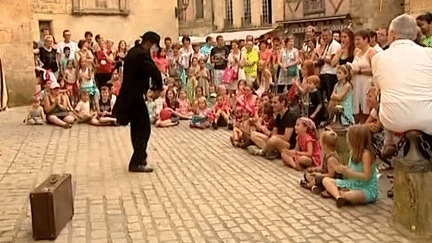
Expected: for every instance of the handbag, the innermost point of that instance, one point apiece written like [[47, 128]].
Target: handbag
[[229, 75], [292, 71], [198, 119]]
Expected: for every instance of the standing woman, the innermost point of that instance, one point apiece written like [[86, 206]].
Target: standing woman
[[235, 61], [288, 61], [186, 51], [120, 56], [177, 65], [105, 61], [424, 21], [362, 77], [346, 53]]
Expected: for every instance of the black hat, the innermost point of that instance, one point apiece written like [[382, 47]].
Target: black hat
[[152, 37]]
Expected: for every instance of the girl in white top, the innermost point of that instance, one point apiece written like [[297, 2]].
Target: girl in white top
[[288, 60]]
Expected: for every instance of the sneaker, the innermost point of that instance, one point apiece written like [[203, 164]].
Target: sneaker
[[215, 126], [254, 150]]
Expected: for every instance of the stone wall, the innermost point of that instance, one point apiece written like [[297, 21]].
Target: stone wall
[[142, 16], [416, 7], [16, 51], [374, 14]]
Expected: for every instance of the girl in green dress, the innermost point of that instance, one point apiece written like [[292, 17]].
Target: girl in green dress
[[360, 181]]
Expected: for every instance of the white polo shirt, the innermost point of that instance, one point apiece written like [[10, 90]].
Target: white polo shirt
[[329, 51], [403, 73]]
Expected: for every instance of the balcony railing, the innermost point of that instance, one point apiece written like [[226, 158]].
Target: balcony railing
[[246, 21]]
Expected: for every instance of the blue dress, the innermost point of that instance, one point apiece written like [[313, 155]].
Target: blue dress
[[370, 187], [347, 104]]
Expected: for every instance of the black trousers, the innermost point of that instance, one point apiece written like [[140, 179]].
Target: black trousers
[[140, 131], [328, 81]]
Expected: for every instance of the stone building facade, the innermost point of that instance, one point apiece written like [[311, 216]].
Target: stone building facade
[[115, 19], [16, 51], [290, 17], [416, 7]]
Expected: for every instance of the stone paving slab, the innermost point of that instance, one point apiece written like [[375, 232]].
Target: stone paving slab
[[202, 190]]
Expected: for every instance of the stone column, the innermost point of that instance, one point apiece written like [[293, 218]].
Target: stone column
[[16, 51]]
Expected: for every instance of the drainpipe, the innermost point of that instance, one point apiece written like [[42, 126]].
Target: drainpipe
[[212, 15]]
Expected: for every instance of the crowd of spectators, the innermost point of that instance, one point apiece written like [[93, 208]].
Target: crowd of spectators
[[274, 96]]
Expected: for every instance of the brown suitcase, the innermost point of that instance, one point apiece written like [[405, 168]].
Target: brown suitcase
[[51, 206]]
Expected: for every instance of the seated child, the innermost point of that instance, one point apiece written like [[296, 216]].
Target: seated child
[[221, 112], [82, 110], [307, 152], [36, 114], [265, 121], [360, 176], [184, 110], [198, 93], [242, 130], [315, 175], [203, 115], [167, 118], [105, 105], [159, 104], [115, 83]]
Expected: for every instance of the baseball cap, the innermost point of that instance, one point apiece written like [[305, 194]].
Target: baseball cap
[[152, 37], [54, 85]]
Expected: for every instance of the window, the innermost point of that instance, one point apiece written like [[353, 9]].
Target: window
[[228, 13], [101, 7], [247, 18], [266, 17], [45, 24], [199, 9], [313, 7]]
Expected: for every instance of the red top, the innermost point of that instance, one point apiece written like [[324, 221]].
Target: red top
[[221, 106], [266, 56], [316, 150], [103, 65], [161, 63]]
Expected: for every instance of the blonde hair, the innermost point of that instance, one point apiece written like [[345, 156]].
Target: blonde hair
[[202, 99], [348, 71], [359, 138], [329, 139]]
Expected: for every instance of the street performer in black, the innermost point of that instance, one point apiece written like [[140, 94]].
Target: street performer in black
[[130, 106]]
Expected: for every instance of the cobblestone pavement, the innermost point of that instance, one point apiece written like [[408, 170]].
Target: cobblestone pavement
[[202, 190]]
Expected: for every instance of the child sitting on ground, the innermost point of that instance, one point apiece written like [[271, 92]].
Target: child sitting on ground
[[159, 104], [242, 130], [83, 109], [184, 110], [203, 115], [360, 177], [115, 83], [36, 114], [105, 105], [221, 112], [315, 175], [167, 118], [265, 121], [198, 94], [307, 152]]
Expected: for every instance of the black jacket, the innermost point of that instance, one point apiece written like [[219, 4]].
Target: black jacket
[[138, 68]]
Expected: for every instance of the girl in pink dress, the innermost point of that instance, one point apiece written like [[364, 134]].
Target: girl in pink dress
[[307, 152], [184, 110]]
